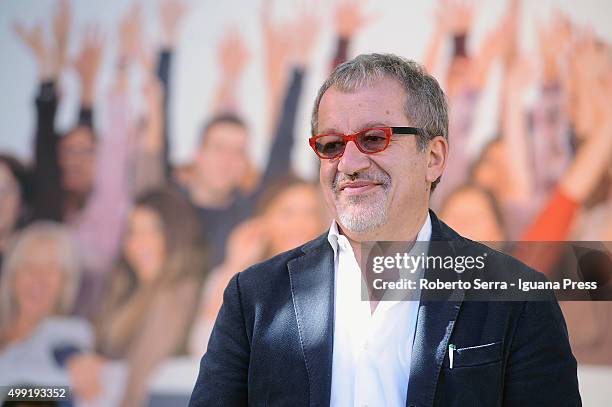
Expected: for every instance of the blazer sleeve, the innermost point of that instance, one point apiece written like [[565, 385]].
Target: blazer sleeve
[[223, 376], [541, 369]]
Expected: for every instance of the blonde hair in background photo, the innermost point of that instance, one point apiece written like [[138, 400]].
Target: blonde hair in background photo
[[22, 247]]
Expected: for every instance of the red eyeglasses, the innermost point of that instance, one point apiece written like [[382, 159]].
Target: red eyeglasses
[[368, 141]]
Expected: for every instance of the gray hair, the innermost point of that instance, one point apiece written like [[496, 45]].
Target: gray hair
[[425, 106], [23, 246]]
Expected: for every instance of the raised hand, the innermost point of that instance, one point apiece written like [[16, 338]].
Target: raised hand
[[277, 50], [50, 58], [130, 34], [458, 16], [61, 30], [171, 14], [233, 54], [553, 40], [277, 43], [592, 118], [33, 38], [306, 30], [87, 62], [501, 41], [349, 17], [589, 66], [507, 33]]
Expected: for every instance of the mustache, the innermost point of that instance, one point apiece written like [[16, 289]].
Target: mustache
[[377, 177]]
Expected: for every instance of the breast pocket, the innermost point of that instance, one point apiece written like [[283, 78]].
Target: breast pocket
[[475, 379], [475, 355]]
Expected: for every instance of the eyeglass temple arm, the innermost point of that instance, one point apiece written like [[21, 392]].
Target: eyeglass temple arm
[[409, 130]]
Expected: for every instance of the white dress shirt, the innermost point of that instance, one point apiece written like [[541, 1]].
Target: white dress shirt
[[372, 351]]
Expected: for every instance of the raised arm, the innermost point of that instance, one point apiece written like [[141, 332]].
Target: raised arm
[[233, 56], [349, 18], [434, 48], [151, 165], [164, 65], [47, 190], [171, 14], [592, 160], [305, 34], [100, 225], [277, 52], [592, 73], [87, 65], [514, 129], [47, 195], [500, 42]]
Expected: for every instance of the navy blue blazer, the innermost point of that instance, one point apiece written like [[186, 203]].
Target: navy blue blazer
[[272, 341]]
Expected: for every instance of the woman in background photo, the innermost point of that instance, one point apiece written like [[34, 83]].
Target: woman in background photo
[[154, 291], [38, 287]]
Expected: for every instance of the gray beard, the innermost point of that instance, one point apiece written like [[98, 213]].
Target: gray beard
[[358, 215], [364, 220]]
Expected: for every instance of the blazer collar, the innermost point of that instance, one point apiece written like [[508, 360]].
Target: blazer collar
[[312, 289], [435, 323]]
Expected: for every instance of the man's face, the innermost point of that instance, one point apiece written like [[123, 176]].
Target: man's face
[[77, 157], [372, 192], [221, 161]]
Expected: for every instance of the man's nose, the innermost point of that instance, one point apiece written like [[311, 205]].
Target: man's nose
[[353, 160]]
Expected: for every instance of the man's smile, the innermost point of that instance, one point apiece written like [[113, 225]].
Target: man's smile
[[357, 187]]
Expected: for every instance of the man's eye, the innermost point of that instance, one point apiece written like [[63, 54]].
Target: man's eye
[[374, 138], [332, 146]]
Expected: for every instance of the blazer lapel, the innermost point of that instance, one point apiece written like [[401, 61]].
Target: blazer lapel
[[435, 324], [312, 289]]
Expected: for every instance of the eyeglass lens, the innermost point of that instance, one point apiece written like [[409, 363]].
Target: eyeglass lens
[[370, 141]]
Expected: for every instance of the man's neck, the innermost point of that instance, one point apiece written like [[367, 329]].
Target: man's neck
[[406, 232], [204, 197]]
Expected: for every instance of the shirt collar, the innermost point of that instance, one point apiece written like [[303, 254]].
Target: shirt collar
[[334, 236]]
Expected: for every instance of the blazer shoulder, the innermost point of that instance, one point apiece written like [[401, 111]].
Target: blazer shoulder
[[277, 266]]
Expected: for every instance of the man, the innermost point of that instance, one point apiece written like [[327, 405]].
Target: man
[[294, 331], [221, 165]]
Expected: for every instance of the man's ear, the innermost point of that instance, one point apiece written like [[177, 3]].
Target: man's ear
[[437, 152]]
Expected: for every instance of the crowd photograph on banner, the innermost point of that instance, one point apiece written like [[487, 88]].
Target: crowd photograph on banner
[[152, 150]]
